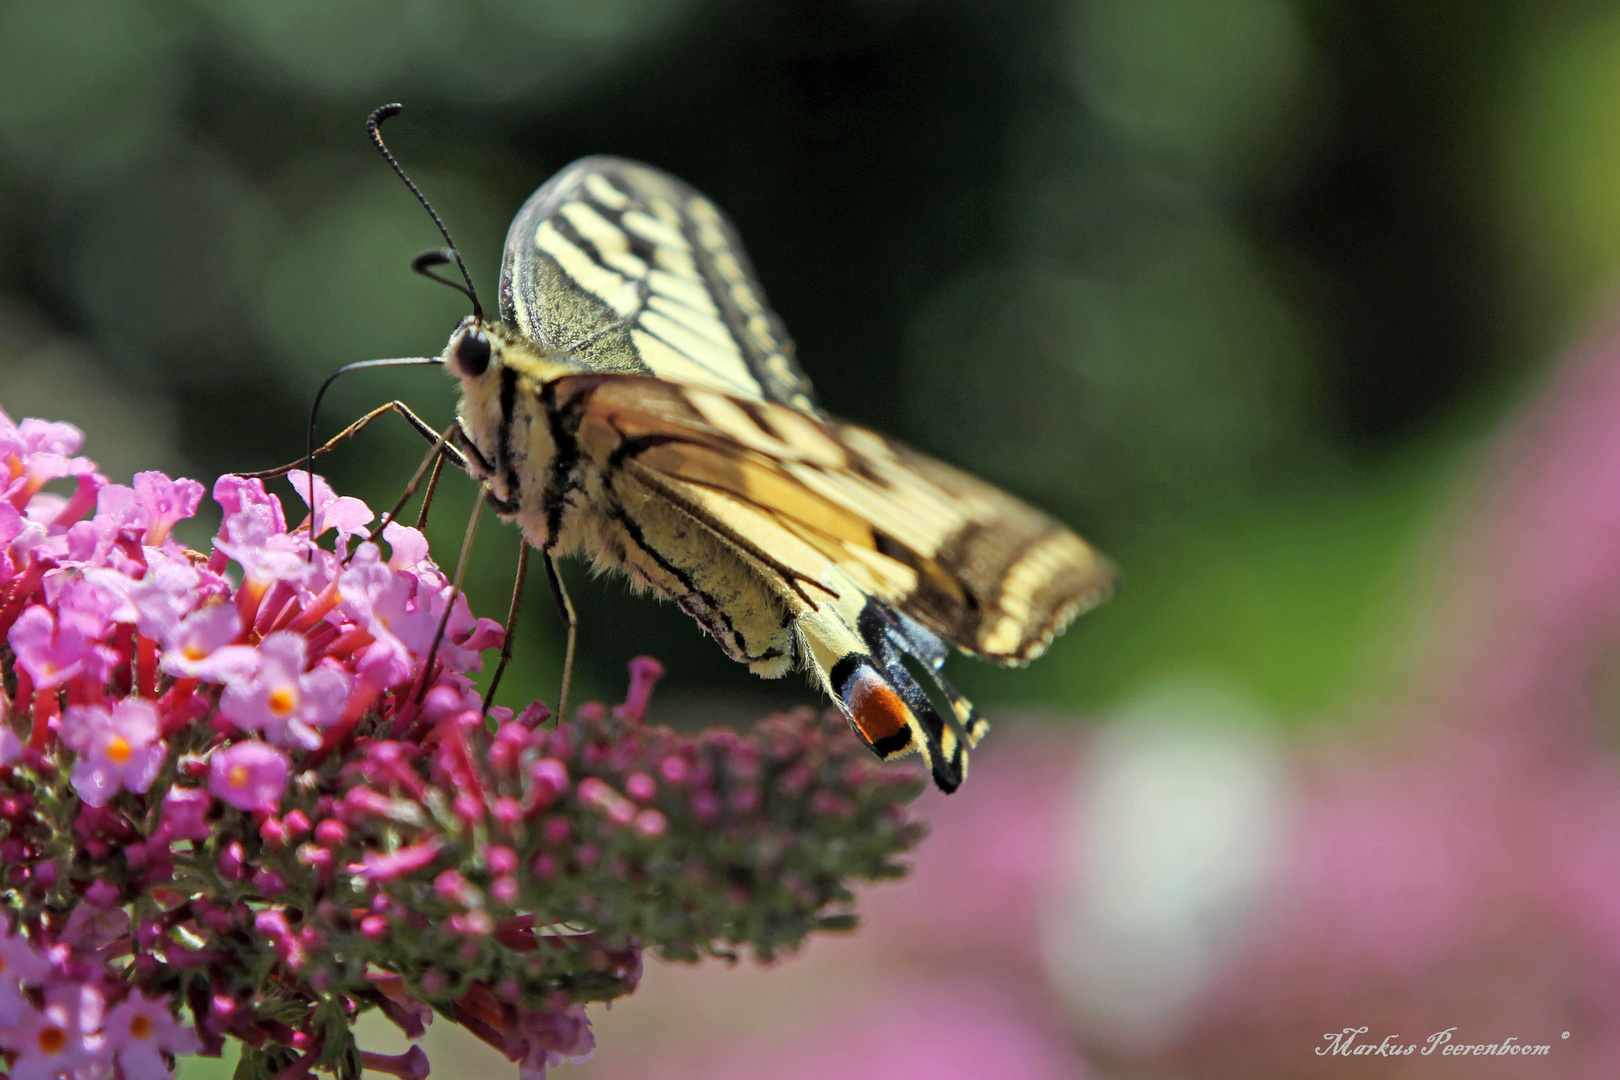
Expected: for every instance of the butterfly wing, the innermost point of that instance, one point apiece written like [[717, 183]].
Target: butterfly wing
[[885, 554], [618, 267], [880, 551], [983, 570]]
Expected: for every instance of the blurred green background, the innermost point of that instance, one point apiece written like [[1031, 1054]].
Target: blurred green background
[[1233, 286]]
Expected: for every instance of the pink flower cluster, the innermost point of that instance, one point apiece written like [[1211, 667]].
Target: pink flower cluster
[[58, 1018], [243, 793], [100, 603], [121, 640]]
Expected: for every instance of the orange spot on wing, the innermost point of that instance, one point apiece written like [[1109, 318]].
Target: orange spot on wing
[[877, 709]]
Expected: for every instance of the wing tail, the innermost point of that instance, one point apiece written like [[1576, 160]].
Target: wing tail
[[886, 705]]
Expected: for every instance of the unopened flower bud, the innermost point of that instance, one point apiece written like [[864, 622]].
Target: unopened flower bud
[[549, 780], [231, 857], [507, 812], [331, 832], [468, 807], [640, 787], [267, 881], [650, 823], [644, 675], [501, 860]]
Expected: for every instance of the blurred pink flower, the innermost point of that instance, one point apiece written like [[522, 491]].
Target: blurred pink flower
[[139, 1030], [248, 775], [974, 897], [947, 1028], [1467, 873], [119, 750]]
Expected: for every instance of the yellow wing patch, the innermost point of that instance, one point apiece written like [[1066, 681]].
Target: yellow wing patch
[[983, 570]]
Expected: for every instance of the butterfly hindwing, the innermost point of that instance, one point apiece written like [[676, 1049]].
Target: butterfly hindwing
[[860, 661], [915, 641], [959, 558], [616, 266]]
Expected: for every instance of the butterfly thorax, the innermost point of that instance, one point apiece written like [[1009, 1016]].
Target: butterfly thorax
[[509, 416], [559, 447]]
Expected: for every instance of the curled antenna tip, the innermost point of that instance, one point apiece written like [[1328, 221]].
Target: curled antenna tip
[[374, 130], [381, 113]]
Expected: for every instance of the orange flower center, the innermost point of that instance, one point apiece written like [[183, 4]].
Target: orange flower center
[[283, 700], [118, 750], [238, 776], [195, 652], [52, 1040], [141, 1027]]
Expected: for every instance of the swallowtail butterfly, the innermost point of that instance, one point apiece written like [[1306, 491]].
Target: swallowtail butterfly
[[638, 402]]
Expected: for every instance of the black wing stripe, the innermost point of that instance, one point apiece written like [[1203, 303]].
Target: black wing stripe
[[609, 241]]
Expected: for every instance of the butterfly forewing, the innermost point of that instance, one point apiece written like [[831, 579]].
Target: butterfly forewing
[[617, 267]]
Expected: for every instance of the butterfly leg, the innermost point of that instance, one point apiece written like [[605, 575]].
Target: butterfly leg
[[435, 457], [423, 428], [427, 496], [455, 594], [565, 607], [441, 450], [511, 622]]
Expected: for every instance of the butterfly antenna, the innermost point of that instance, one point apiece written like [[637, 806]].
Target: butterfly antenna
[[434, 258]]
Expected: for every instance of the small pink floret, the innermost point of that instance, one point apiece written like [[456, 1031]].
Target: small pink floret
[[249, 775], [117, 751], [379, 866], [140, 1030], [283, 702]]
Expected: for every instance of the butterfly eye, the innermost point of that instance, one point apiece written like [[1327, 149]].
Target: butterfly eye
[[472, 354]]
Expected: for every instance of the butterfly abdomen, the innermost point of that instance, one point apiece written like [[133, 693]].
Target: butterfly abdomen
[[678, 557]]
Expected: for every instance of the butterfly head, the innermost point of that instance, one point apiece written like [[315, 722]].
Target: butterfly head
[[479, 350], [474, 348]]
